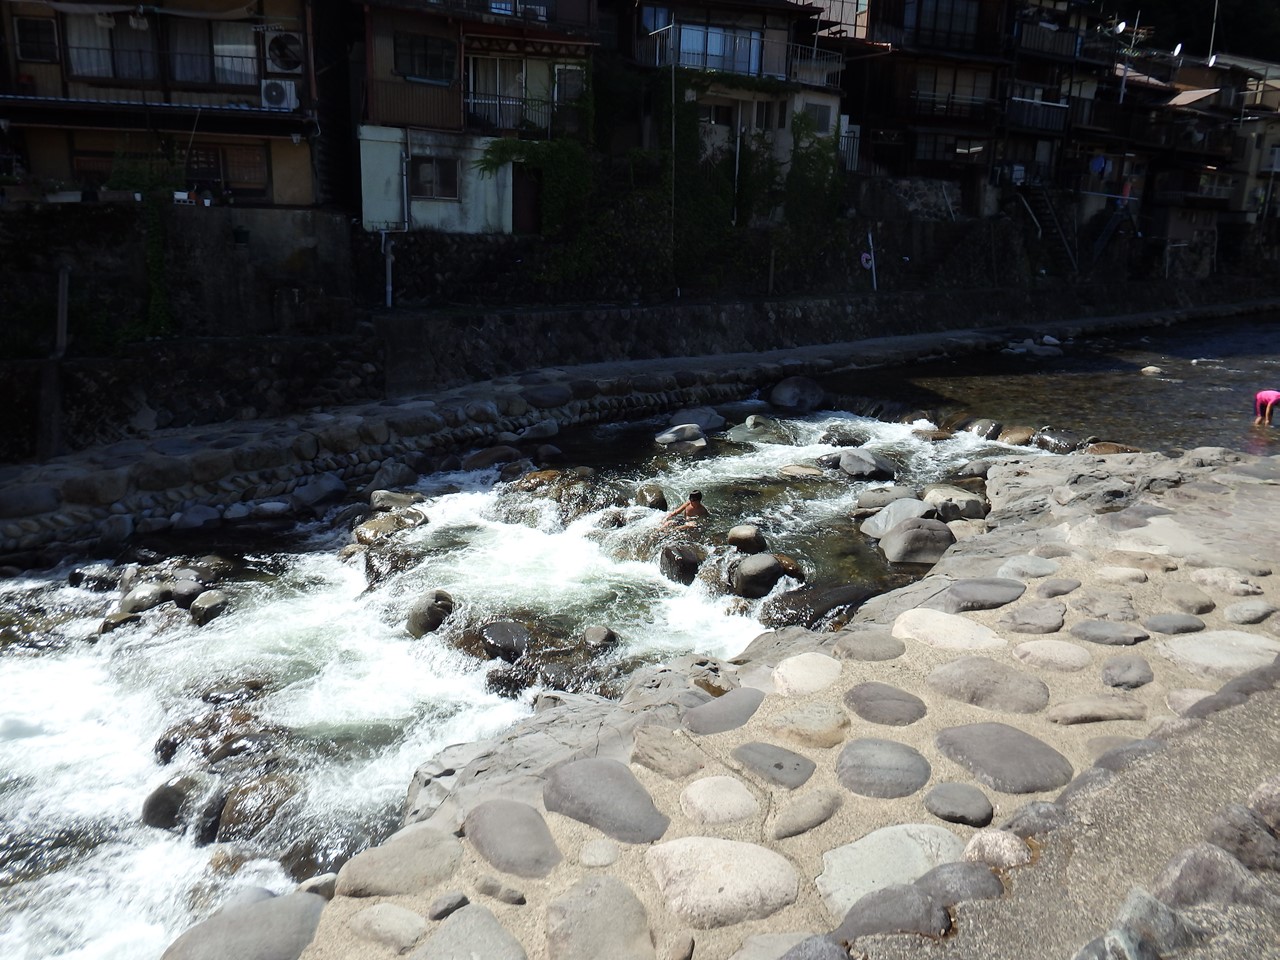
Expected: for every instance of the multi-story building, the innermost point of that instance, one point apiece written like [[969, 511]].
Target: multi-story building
[[219, 104], [439, 82]]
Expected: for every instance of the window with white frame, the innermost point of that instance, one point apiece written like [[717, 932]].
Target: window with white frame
[[433, 178], [37, 39], [820, 114]]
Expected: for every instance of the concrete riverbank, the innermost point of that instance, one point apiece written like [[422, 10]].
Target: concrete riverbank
[[251, 471]]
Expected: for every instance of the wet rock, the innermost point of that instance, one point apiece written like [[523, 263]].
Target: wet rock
[[917, 541], [599, 916], [756, 575], [758, 429], [145, 597], [959, 803], [428, 612], [184, 593], [797, 395], [989, 684], [652, 496], [505, 640], [874, 498], [775, 765], [513, 837], [115, 620], [813, 606], [884, 704], [807, 811], [169, 805], [606, 795], [679, 562], [865, 465], [208, 605], [251, 806], [1005, 758], [746, 538], [705, 417], [708, 882], [681, 433], [599, 638], [714, 800], [1173, 623], [893, 514], [881, 768]]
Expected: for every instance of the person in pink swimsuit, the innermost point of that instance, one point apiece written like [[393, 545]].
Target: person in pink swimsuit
[[1263, 404]]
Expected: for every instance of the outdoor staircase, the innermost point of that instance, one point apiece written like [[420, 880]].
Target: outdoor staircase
[[1042, 208], [1123, 214]]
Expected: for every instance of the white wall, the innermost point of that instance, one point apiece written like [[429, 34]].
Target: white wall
[[483, 204]]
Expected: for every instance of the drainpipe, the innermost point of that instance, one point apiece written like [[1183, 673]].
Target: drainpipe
[[389, 258]]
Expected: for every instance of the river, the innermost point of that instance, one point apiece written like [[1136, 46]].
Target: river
[[350, 704]]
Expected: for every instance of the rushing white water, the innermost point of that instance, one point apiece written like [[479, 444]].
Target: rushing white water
[[356, 702]]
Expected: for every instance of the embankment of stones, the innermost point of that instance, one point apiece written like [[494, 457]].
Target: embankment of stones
[[257, 471]]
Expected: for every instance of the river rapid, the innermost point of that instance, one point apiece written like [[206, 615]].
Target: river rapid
[[348, 704]]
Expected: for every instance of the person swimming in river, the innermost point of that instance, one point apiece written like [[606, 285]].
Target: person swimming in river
[[1263, 406], [689, 515]]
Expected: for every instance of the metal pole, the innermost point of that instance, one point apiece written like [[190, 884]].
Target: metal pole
[[1213, 31], [60, 338], [871, 247]]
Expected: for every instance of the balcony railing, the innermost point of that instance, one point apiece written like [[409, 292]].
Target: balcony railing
[[1037, 115], [1059, 43], [923, 103], [403, 103], [741, 52], [535, 11], [155, 78], [494, 113], [848, 148]]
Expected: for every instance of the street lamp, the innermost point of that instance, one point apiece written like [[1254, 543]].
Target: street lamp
[[671, 55]]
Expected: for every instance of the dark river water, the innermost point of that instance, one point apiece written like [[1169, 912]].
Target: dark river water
[[1202, 397]]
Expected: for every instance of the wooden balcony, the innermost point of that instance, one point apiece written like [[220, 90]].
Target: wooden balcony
[[404, 103]]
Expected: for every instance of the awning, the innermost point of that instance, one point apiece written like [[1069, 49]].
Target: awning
[[1187, 97]]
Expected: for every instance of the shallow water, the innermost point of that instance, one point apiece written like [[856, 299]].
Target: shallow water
[[355, 704]]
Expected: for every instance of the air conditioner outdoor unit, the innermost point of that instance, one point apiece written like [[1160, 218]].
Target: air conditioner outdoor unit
[[284, 52], [280, 94]]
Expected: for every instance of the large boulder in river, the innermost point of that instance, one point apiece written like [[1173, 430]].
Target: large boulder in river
[[428, 612], [865, 465], [797, 395], [651, 495], [1055, 441], [145, 596], [894, 513], [747, 538], [505, 640], [704, 417], [756, 575], [680, 433], [759, 429], [680, 561], [811, 606], [210, 604], [955, 503], [917, 541]]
